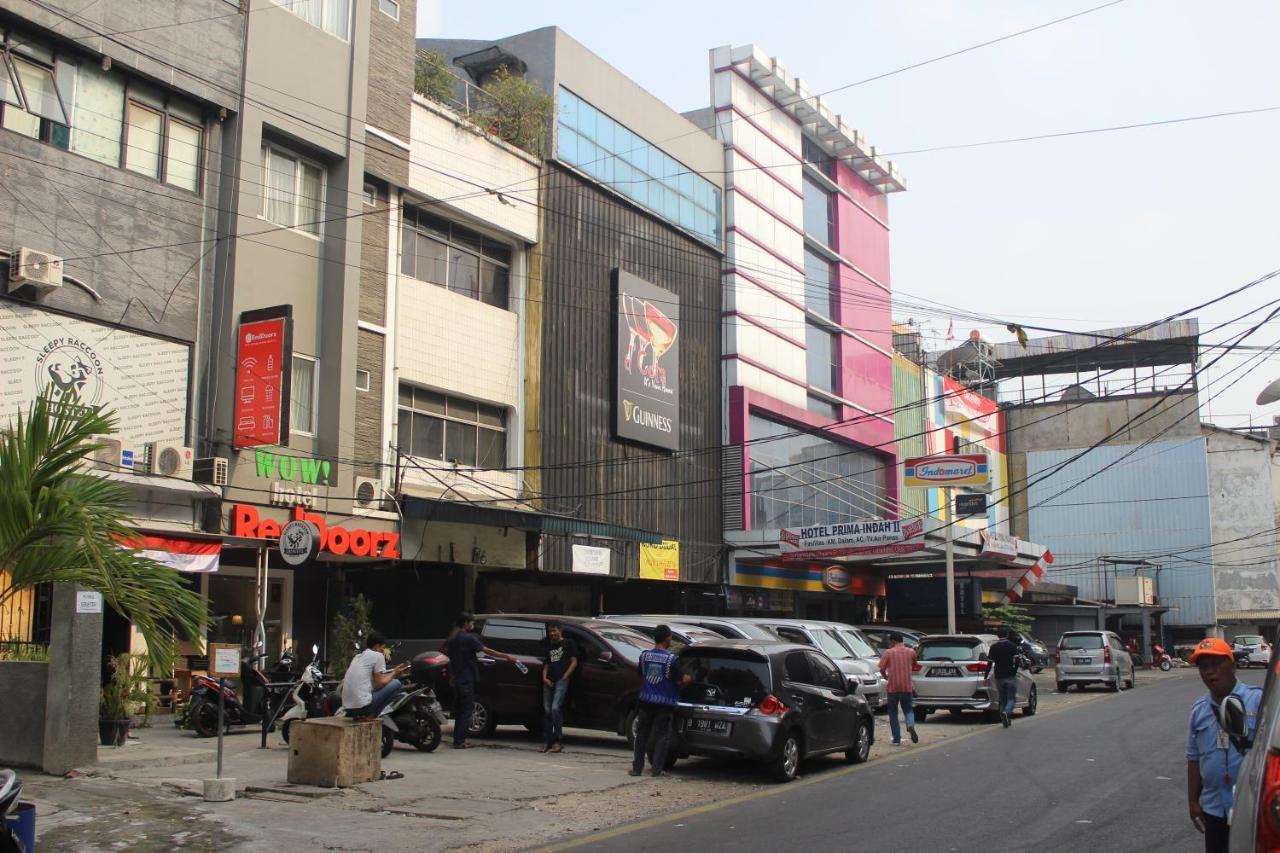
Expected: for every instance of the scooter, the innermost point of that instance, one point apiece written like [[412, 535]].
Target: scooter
[[260, 701], [10, 793], [415, 715], [306, 699], [1160, 658]]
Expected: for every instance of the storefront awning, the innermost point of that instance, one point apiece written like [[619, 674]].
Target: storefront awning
[[431, 509]]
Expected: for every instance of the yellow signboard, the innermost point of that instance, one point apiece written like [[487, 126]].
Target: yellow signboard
[[660, 562]]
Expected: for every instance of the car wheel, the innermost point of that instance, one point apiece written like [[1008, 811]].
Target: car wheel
[[861, 749], [672, 757], [922, 714], [1165, 665], [629, 724], [1032, 701], [1062, 687], [785, 767], [1114, 686], [1133, 677], [482, 720], [388, 741]]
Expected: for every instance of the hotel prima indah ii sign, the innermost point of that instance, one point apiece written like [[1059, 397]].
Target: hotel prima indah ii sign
[[876, 538]]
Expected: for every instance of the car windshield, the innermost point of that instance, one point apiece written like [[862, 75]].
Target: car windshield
[[830, 643], [1081, 641], [856, 642], [1248, 640], [628, 643], [721, 678], [949, 650]]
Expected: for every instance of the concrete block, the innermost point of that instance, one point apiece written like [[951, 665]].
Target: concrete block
[[334, 752], [219, 790]]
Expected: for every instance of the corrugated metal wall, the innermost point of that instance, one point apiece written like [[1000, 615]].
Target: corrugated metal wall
[[586, 234], [908, 427], [1147, 505]]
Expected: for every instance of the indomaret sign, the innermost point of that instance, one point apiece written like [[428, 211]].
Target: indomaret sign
[[875, 538]]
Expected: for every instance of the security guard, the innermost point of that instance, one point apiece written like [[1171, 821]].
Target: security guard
[[1213, 761]]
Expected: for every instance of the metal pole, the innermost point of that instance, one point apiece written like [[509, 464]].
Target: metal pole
[[222, 699], [951, 563]]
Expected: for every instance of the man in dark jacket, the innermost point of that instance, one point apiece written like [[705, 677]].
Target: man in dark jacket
[[464, 672], [1004, 656]]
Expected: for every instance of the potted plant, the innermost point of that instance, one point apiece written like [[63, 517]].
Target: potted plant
[[113, 705]]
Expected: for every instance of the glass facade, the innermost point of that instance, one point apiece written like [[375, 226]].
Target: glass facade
[[817, 211], [593, 142], [821, 365], [819, 273], [800, 478]]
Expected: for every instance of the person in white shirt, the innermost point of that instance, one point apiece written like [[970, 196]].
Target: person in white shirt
[[368, 685]]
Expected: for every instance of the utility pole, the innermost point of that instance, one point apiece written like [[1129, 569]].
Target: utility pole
[[951, 561]]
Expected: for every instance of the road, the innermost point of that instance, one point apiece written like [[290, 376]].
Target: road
[[1100, 777]]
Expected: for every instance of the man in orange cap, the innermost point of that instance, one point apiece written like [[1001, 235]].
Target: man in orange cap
[[1213, 761]]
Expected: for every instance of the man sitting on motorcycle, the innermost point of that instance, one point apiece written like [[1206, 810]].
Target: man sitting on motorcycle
[[368, 685]]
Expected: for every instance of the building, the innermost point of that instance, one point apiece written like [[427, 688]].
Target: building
[[807, 346], [117, 150], [620, 492]]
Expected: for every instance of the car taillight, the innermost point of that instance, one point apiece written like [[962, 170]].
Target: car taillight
[[771, 706], [1268, 821], [1057, 655], [976, 667], [1264, 647], [915, 667], [1106, 655]]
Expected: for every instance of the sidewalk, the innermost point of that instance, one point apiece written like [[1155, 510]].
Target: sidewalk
[[502, 795]]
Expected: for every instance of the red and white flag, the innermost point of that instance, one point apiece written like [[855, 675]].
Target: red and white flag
[[951, 329]]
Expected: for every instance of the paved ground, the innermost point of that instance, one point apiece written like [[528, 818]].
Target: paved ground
[[505, 796]]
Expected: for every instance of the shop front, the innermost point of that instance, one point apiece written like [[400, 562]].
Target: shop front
[[809, 590]]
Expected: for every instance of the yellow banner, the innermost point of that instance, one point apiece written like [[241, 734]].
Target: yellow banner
[[660, 562]]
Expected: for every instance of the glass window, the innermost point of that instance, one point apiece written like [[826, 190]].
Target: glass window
[[723, 678], [146, 131], [302, 395], [800, 478], [97, 118], [944, 650], [857, 642], [822, 406], [604, 149], [825, 673], [817, 155], [798, 669], [40, 90], [1081, 641], [332, 16], [464, 273], [820, 356], [791, 635], [817, 211], [492, 449], [515, 638], [433, 260], [460, 444], [452, 429], [182, 156], [830, 643], [455, 257], [390, 8], [819, 295], [293, 191]]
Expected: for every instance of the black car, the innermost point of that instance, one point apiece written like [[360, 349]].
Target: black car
[[1036, 652], [768, 701]]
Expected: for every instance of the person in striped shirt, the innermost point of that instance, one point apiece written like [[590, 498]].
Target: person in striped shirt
[[896, 664]]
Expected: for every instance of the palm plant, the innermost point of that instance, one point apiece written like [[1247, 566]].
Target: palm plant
[[60, 524]]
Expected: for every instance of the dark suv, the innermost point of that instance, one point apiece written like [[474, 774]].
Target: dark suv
[[602, 694], [768, 701]]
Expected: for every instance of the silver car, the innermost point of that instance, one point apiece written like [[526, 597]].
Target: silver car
[[1093, 657], [862, 673], [1255, 818], [953, 671], [729, 627]]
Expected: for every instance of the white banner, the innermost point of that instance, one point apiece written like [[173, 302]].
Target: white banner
[[141, 379], [855, 538], [588, 559]]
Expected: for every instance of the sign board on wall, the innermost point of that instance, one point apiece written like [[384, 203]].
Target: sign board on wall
[[660, 562], [264, 360], [224, 660], [998, 546], [646, 362], [88, 601], [591, 560], [968, 506], [334, 540], [71, 362], [969, 469], [856, 538]]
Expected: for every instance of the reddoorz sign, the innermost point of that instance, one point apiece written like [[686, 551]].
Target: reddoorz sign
[[357, 542]]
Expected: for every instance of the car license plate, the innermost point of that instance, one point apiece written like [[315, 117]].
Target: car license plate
[[944, 672], [1082, 661], [715, 727]]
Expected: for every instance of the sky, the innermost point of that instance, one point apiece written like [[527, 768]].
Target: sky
[[1085, 232]]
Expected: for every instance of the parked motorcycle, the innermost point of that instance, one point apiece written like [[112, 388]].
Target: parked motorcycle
[[306, 699], [10, 793], [415, 715], [259, 703], [1160, 658]]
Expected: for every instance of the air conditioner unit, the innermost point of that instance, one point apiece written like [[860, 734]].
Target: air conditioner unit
[[169, 459], [212, 470], [369, 495], [113, 454], [38, 270]]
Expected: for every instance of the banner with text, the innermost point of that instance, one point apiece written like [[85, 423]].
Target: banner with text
[[875, 538]]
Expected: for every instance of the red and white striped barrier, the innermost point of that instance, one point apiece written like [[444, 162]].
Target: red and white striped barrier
[[1029, 579]]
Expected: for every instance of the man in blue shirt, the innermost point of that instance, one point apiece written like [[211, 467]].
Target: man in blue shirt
[[1213, 761], [658, 697], [464, 673]]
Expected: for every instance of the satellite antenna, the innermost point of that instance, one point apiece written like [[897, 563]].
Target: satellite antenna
[[1270, 394]]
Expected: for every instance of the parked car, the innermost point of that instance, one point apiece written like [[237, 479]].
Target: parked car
[[879, 635], [769, 701], [602, 694], [862, 674], [953, 671], [1255, 819], [681, 635], [1036, 652], [1093, 657], [731, 627], [1256, 650]]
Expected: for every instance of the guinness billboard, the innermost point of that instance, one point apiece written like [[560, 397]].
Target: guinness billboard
[[646, 362]]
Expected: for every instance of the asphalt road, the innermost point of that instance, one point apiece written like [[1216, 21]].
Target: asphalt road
[[1104, 776]]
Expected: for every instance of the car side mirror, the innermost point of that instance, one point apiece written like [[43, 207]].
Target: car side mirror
[[1232, 717], [315, 649], [605, 657]]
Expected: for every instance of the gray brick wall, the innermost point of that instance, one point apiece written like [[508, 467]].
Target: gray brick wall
[[373, 264], [391, 54], [370, 356]]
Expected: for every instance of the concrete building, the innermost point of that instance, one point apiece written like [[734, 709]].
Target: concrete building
[[115, 149], [1242, 516], [622, 333]]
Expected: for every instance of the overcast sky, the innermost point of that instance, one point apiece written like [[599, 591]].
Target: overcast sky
[[1085, 232]]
